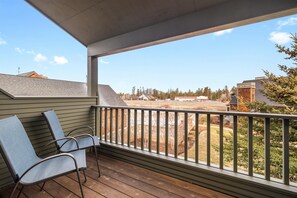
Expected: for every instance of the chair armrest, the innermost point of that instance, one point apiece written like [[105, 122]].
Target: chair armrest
[[54, 141], [85, 135], [49, 158], [82, 127]]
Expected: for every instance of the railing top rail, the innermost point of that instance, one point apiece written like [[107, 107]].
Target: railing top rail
[[247, 114]]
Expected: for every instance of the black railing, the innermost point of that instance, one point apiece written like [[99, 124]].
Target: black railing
[[177, 133]]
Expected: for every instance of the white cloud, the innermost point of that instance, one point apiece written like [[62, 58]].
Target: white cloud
[[289, 22], [103, 61], [40, 58], [2, 41], [21, 51], [280, 38], [222, 32], [60, 60]]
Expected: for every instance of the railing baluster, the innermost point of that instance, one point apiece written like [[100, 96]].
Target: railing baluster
[[166, 133], [135, 128], [110, 126], [128, 128], [196, 137], [208, 141], [150, 132], [250, 146], [100, 123], [123, 126], [235, 144], [158, 132], [175, 134], [116, 125], [105, 125], [221, 141], [286, 151], [186, 137], [267, 148], [142, 129]]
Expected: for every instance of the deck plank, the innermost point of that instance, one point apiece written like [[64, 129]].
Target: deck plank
[[120, 186], [176, 186], [120, 176], [118, 179], [56, 190], [99, 187]]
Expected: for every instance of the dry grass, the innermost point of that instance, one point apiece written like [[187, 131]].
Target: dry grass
[[193, 105]]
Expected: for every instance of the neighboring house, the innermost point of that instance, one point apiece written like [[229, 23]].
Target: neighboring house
[[190, 98], [146, 97], [232, 106], [32, 74], [18, 86], [185, 98], [251, 91], [202, 98]]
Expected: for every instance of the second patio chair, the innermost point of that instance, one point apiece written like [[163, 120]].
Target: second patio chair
[[25, 166], [66, 145]]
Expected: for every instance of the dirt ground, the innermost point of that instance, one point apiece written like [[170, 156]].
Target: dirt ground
[[193, 105]]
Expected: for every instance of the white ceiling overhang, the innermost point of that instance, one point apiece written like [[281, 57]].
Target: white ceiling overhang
[[112, 26]]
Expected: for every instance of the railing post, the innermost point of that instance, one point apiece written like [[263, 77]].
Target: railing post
[[150, 132], [158, 132], [117, 125], [235, 122], [221, 141], [175, 134], [142, 129], [166, 133], [128, 127], [286, 151], [186, 137], [208, 141], [267, 148], [123, 126], [100, 123], [110, 133], [196, 137], [250, 146], [135, 128], [105, 124]]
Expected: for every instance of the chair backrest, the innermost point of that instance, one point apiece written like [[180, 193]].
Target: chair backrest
[[16, 147], [54, 125]]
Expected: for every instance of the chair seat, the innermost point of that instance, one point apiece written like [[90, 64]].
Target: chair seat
[[55, 167], [83, 143]]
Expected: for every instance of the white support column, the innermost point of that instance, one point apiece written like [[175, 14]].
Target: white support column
[[92, 79]]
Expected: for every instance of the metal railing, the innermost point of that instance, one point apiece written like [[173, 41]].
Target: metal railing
[[174, 133]]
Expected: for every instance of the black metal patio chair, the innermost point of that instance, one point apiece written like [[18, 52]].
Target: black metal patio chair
[[25, 166], [66, 144]]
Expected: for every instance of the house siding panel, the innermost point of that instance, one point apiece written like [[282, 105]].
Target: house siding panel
[[72, 112]]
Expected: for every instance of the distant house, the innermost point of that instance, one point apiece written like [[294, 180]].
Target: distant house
[[185, 98], [202, 98], [250, 91], [32, 74], [146, 97], [20, 86], [191, 98]]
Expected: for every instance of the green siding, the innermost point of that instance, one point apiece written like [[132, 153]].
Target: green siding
[[72, 112]]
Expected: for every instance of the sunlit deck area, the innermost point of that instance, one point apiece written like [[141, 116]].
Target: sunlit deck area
[[119, 179]]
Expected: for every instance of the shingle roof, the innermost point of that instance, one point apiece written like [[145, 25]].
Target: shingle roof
[[19, 86]]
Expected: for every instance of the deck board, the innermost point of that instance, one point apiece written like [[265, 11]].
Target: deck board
[[118, 179]]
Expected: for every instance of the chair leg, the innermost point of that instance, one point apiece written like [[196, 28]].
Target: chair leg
[[85, 176], [42, 186], [12, 192], [20, 191], [80, 185], [97, 160]]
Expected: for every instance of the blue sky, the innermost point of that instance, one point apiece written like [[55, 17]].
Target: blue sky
[[32, 42]]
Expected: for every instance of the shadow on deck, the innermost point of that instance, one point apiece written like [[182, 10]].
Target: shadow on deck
[[118, 179]]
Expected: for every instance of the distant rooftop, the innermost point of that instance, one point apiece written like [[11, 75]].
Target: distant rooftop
[[20, 86]]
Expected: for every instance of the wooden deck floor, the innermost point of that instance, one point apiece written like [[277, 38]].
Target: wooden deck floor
[[118, 179]]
